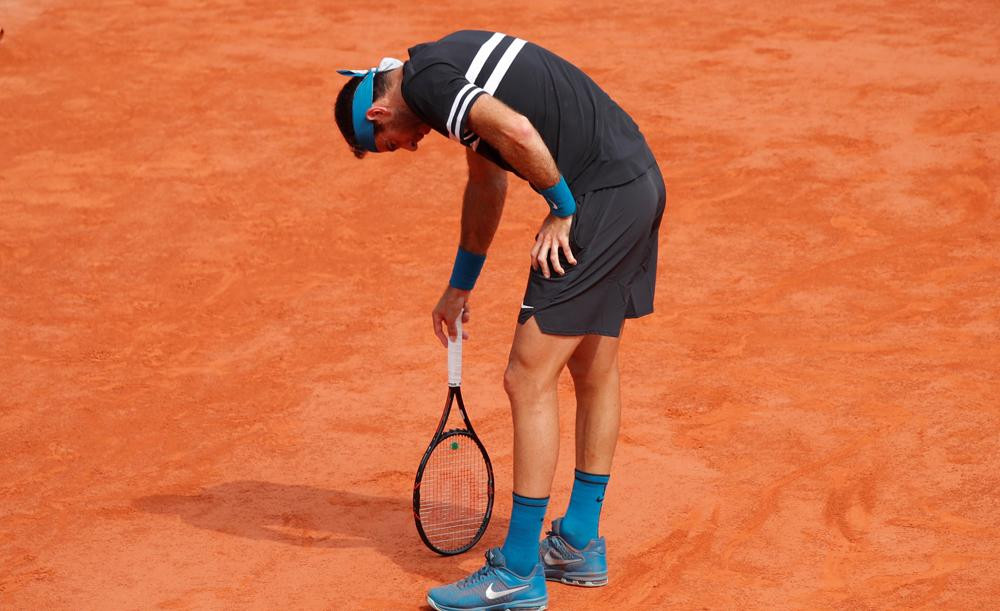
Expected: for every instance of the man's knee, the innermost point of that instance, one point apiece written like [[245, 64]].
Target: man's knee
[[590, 375], [521, 381]]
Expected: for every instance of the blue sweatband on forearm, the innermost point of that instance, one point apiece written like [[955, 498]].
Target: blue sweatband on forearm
[[466, 270], [560, 198]]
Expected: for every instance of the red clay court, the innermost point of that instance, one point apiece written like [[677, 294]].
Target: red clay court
[[218, 373]]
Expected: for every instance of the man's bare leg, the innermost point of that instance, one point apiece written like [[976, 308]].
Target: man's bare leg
[[594, 367], [531, 380]]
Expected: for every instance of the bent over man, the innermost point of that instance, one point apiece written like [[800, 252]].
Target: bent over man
[[518, 108]]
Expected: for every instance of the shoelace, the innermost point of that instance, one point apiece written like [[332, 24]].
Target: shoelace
[[478, 576]]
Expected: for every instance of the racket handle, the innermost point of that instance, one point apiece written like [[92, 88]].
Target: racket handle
[[455, 355]]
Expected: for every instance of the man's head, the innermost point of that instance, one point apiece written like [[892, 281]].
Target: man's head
[[371, 113]]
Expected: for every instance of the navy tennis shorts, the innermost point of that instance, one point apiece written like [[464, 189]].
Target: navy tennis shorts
[[614, 238]]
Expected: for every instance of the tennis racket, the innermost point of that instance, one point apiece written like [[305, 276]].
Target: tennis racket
[[453, 492]]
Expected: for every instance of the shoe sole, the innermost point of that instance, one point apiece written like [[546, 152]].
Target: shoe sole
[[525, 606], [583, 580]]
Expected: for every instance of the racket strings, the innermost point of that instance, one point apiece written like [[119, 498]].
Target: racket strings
[[454, 493]]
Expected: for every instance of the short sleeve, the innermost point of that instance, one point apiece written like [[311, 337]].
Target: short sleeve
[[441, 96]]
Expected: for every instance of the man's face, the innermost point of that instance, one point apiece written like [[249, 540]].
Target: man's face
[[397, 132]]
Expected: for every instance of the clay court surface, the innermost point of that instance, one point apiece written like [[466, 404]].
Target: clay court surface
[[217, 371]]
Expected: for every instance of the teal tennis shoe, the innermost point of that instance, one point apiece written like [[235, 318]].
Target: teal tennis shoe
[[586, 567], [493, 588]]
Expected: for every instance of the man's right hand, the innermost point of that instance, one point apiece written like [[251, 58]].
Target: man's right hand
[[452, 303]]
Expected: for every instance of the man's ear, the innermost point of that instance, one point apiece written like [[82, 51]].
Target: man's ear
[[378, 113]]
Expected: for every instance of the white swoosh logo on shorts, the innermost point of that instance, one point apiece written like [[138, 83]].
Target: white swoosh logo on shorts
[[552, 560], [527, 307], [493, 594]]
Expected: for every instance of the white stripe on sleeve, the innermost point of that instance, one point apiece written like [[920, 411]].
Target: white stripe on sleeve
[[454, 106], [465, 106]]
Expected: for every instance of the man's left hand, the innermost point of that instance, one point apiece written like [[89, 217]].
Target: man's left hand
[[553, 235]]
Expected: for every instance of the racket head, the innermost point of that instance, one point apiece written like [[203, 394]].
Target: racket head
[[453, 493]]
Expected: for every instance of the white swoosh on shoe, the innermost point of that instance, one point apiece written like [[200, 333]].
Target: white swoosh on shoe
[[493, 594], [553, 560]]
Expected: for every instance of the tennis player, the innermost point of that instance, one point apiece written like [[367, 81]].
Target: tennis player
[[521, 109]]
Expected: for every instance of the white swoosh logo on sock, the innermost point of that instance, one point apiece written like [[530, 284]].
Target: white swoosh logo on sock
[[550, 559], [493, 594]]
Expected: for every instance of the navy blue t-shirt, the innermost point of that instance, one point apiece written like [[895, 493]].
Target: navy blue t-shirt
[[594, 142]]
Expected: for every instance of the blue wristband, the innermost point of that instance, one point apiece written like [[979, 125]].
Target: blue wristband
[[560, 198], [466, 270]]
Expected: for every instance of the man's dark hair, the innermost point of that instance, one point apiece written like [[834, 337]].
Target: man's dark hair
[[342, 109]]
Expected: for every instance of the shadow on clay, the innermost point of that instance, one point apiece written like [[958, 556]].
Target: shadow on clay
[[315, 517]]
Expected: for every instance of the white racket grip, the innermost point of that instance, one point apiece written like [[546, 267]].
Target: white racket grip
[[455, 355]]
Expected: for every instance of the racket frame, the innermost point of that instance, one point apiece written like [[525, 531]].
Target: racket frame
[[440, 435]]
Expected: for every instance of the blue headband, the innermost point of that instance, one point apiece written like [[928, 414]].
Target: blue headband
[[364, 130]]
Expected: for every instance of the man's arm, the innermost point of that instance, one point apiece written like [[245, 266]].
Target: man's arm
[[513, 135], [520, 144], [482, 207], [482, 204]]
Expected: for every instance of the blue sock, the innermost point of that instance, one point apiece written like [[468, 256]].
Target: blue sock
[[520, 549], [579, 525]]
